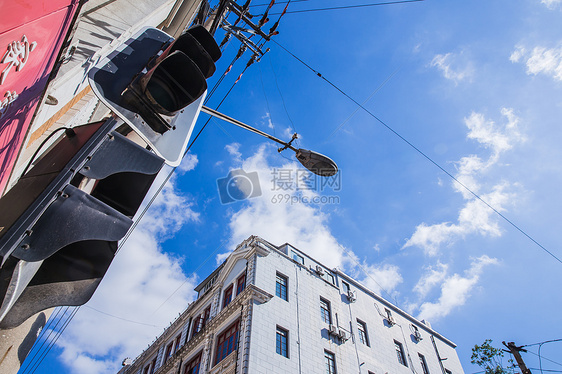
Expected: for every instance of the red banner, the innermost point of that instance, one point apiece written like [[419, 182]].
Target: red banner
[[31, 37]]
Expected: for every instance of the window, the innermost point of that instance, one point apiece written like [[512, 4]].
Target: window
[[153, 365], [423, 364], [447, 371], [298, 258], [205, 317], [362, 328], [389, 317], [200, 321], [281, 342], [192, 367], [177, 343], [149, 369], [241, 284], [330, 278], [227, 298], [345, 287], [281, 287], [168, 351], [370, 372], [226, 342], [400, 353], [196, 325], [330, 360], [325, 312]]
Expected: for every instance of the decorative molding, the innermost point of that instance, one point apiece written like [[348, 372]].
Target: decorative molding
[[250, 293]]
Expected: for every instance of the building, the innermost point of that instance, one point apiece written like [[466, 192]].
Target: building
[[271, 309]]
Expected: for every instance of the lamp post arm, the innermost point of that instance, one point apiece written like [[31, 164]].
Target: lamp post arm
[[228, 119]]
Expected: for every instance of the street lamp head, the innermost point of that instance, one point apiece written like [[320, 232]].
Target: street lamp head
[[317, 163]]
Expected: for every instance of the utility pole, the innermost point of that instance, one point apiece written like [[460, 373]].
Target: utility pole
[[514, 350]]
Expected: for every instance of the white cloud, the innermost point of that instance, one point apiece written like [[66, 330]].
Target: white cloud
[[280, 216], [383, 278], [234, 150], [135, 289], [188, 163], [267, 118], [551, 4], [474, 217], [543, 60], [449, 66], [430, 279], [455, 290]]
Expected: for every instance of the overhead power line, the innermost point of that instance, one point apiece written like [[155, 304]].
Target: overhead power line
[[421, 153], [349, 7]]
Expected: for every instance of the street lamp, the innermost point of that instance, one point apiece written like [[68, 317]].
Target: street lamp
[[313, 161]]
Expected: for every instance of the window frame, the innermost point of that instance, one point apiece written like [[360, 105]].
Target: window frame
[[241, 284], [229, 338], [400, 353], [325, 310], [227, 296], [297, 258], [330, 362], [196, 360], [423, 362], [346, 287], [168, 351], [282, 341], [363, 333], [329, 277], [177, 343], [281, 289]]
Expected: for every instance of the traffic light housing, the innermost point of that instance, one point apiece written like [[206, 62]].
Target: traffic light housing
[[61, 223], [157, 84], [62, 220]]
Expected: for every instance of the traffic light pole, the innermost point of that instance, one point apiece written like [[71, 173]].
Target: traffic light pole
[[514, 350]]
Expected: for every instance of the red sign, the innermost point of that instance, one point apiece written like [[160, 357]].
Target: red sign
[[31, 36]]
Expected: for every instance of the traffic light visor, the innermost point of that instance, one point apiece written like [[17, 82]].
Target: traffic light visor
[[173, 84]]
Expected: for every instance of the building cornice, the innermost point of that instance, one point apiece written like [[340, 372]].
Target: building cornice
[[250, 294]]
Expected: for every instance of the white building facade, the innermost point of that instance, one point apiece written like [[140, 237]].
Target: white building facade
[[271, 309]]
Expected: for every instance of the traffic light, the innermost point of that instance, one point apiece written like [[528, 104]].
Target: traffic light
[[157, 85], [61, 222]]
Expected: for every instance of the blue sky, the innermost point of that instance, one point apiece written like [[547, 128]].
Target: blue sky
[[474, 85]]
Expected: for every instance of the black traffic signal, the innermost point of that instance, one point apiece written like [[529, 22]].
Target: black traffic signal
[[60, 223], [157, 85]]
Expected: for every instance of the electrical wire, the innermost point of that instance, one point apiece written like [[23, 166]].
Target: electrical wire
[[266, 100], [73, 313], [43, 143], [32, 366], [350, 6], [121, 318], [279, 2], [338, 128], [41, 340], [544, 358], [282, 98], [192, 274], [423, 154], [352, 257], [546, 341]]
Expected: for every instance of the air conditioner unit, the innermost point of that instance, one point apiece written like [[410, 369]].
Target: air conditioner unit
[[352, 296], [390, 320], [319, 270], [417, 336], [342, 335], [332, 330]]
